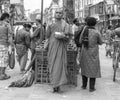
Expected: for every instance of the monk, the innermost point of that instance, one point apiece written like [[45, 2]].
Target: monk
[[57, 49]]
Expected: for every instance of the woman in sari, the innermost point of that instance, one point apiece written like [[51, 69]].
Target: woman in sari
[[89, 60], [5, 41]]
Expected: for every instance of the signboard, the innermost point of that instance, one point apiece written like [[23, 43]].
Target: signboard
[[110, 9], [110, 1], [86, 11], [16, 1], [117, 1]]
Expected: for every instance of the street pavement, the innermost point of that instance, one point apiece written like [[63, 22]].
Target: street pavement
[[106, 89]]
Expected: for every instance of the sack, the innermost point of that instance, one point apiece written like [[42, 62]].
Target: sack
[[11, 59]]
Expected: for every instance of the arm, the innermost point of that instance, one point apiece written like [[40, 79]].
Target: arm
[[27, 40], [10, 34], [99, 39], [36, 33]]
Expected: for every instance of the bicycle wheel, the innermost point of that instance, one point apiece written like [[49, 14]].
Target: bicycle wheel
[[114, 76], [115, 65]]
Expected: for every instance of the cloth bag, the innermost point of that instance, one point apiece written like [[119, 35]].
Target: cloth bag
[[11, 55]]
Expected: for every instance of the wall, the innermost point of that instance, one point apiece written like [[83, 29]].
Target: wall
[[69, 10]]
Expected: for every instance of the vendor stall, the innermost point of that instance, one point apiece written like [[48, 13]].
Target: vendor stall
[[41, 65], [115, 21]]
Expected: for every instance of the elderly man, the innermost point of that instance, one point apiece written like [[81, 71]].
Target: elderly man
[[57, 33]]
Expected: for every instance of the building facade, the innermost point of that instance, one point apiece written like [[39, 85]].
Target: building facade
[[96, 8], [82, 8], [66, 5], [49, 13], [69, 10]]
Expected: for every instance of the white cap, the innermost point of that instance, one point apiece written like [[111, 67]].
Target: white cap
[[38, 17]]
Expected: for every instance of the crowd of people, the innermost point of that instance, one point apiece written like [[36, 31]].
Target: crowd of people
[[87, 38]]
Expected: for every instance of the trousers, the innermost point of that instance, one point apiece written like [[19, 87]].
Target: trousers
[[91, 82]]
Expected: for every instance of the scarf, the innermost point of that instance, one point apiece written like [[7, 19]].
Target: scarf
[[85, 38]]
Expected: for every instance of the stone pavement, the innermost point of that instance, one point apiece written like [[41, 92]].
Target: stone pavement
[[106, 88]]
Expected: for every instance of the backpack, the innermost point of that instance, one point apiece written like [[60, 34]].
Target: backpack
[[77, 36]]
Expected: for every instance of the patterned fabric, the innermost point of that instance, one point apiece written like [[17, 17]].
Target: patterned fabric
[[90, 64], [3, 56]]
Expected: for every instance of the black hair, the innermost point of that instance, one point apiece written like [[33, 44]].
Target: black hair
[[38, 20], [109, 27], [91, 21], [86, 19], [27, 25], [4, 15], [75, 20]]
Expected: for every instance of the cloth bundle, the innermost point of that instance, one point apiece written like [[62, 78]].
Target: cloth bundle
[[26, 81]]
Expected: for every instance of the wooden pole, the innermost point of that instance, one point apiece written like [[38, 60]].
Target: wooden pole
[[41, 36], [105, 21]]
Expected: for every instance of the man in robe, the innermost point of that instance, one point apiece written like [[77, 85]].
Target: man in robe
[[57, 50]]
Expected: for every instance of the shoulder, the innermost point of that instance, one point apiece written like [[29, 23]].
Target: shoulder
[[7, 24], [20, 31], [65, 23], [117, 29], [95, 31], [3, 23], [49, 26], [23, 31]]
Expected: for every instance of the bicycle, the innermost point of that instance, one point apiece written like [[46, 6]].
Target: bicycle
[[109, 49], [116, 57]]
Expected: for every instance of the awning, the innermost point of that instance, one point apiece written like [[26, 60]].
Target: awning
[[100, 20], [114, 18], [22, 22]]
